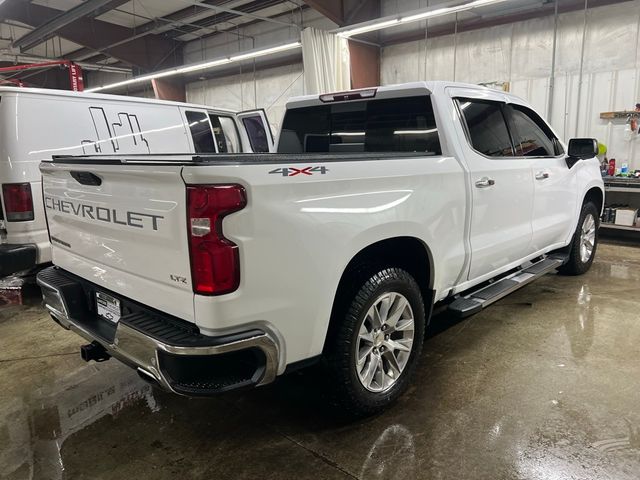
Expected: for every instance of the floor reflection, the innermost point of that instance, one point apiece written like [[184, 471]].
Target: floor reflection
[[580, 327], [35, 429], [392, 455]]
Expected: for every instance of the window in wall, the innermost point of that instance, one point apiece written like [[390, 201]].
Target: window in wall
[[200, 132], [391, 125], [532, 137], [486, 126]]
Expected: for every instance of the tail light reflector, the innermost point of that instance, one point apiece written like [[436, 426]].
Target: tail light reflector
[[18, 201], [215, 262]]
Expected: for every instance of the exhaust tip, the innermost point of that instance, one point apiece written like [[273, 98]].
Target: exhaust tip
[[94, 351]]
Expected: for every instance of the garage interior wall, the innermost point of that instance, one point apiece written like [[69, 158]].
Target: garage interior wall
[[267, 88], [521, 54]]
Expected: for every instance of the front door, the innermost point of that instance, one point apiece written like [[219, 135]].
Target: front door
[[554, 183]]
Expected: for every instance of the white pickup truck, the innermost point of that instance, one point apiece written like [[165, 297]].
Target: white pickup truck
[[213, 272]]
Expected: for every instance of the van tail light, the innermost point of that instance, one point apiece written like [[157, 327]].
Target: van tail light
[[215, 261], [18, 201]]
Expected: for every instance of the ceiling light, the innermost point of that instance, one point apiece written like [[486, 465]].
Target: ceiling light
[[198, 66], [369, 28], [414, 17], [266, 51], [448, 10]]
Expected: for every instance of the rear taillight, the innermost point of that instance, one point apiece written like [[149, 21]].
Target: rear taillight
[[215, 262], [18, 202]]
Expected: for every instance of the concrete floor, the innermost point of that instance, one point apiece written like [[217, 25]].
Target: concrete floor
[[544, 384]]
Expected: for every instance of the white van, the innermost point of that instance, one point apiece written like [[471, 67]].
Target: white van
[[37, 124]]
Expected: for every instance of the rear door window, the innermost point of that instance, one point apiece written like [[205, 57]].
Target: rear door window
[[200, 132], [257, 134], [392, 125], [486, 127]]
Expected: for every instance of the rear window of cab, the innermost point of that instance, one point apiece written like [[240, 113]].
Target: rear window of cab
[[390, 125]]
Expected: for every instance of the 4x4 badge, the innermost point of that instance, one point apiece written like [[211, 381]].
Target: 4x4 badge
[[292, 172]]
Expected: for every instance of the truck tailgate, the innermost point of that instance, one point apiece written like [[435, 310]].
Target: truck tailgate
[[123, 227]]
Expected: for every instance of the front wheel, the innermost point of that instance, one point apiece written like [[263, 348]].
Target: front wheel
[[584, 242], [377, 342]]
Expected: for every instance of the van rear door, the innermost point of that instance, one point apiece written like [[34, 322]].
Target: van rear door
[[258, 130]]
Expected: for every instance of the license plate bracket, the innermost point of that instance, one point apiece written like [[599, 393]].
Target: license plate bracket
[[108, 307]]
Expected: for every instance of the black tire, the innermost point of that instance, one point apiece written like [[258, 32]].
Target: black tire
[[576, 265], [349, 393]]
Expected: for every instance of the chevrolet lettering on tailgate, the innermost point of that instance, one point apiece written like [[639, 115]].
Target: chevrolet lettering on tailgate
[[103, 214]]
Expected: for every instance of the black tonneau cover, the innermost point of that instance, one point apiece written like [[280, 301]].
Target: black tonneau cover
[[232, 159]]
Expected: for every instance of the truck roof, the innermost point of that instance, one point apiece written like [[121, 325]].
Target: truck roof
[[103, 96], [402, 89]]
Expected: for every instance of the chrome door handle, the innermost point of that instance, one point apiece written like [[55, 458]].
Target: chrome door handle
[[485, 182], [542, 175]]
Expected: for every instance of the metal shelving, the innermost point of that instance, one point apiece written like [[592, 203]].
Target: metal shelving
[[623, 186], [619, 227]]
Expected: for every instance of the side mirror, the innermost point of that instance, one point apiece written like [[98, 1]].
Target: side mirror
[[581, 149]]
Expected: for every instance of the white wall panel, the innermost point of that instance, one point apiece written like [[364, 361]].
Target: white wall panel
[[271, 89], [484, 55], [531, 48]]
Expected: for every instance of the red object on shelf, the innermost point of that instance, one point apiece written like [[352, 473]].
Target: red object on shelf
[[612, 167]]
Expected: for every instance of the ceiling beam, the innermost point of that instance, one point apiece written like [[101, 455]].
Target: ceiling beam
[[177, 19], [346, 12], [244, 13], [213, 32], [222, 17], [357, 11], [151, 52], [332, 9], [49, 28]]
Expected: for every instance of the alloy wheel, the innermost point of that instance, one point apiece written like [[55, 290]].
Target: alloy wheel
[[587, 238], [385, 342]]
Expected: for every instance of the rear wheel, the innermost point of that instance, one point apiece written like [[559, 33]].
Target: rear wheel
[[377, 341], [584, 242]]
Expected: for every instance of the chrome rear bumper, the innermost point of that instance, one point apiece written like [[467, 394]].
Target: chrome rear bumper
[[153, 357]]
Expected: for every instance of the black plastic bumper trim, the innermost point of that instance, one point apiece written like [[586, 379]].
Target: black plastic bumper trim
[[16, 258]]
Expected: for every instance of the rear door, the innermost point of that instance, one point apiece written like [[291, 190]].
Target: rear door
[[123, 227], [554, 183], [256, 126], [225, 133], [502, 187]]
